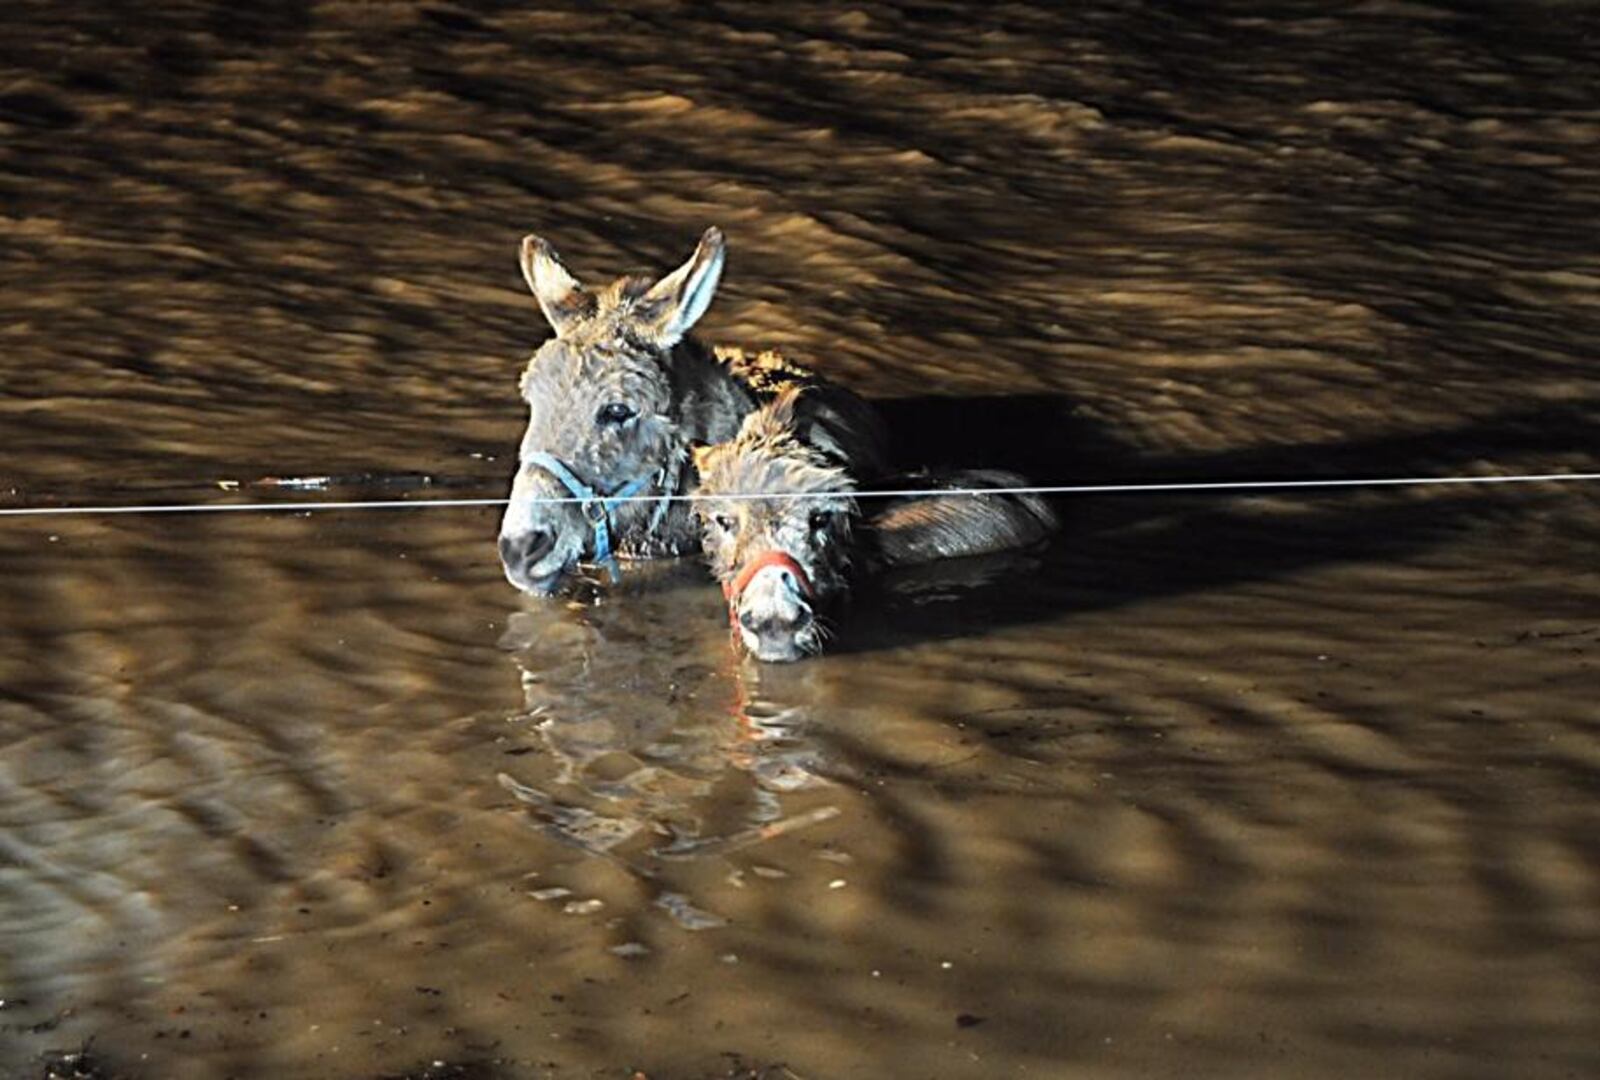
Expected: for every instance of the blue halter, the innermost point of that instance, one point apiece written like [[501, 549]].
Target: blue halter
[[597, 508]]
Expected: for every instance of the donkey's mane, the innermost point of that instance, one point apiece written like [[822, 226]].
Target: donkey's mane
[[767, 373], [770, 453]]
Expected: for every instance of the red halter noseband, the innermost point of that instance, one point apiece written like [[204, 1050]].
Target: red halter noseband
[[732, 590]]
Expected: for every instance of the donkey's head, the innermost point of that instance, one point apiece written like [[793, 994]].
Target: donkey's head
[[782, 554], [603, 424]]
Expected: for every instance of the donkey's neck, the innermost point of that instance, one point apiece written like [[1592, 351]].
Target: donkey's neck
[[709, 403], [712, 402]]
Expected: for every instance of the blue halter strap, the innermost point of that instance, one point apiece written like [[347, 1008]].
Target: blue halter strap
[[597, 508]]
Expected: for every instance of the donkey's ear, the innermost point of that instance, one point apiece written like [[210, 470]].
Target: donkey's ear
[[675, 303], [782, 409], [560, 297]]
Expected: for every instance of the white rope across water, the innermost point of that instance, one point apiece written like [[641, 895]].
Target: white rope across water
[[1048, 489]]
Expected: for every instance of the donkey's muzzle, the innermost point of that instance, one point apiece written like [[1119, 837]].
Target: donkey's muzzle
[[769, 604], [521, 554]]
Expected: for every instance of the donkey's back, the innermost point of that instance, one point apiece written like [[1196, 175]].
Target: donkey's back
[[969, 512]]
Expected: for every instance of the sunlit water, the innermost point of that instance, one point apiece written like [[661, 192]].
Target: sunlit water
[[1214, 786]]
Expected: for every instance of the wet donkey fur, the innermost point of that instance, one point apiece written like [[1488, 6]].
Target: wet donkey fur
[[617, 398], [784, 555]]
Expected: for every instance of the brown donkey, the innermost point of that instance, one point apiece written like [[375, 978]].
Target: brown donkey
[[616, 399], [784, 553]]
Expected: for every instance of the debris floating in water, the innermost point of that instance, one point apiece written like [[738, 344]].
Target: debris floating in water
[[367, 479], [686, 915], [575, 825], [295, 483], [322, 482], [744, 838]]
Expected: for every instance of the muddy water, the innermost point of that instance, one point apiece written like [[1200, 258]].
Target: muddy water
[[1246, 787]]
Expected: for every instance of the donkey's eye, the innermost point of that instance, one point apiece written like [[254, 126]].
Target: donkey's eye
[[725, 522], [615, 413], [821, 519]]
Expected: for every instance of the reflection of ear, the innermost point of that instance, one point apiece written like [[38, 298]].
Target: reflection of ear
[[560, 297], [675, 303]]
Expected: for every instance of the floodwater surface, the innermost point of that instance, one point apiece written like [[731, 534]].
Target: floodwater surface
[[1299, 785]]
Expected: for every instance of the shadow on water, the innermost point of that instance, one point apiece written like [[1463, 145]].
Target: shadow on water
[[1047, 438], [1125, 548]]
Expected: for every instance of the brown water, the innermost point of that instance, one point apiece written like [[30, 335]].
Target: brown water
[[1289, 786]]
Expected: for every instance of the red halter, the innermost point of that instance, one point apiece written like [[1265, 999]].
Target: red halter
[[732, 590]]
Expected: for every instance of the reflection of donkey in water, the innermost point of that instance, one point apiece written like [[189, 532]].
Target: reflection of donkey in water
[[649, 747], [778, 557], [616, 399]]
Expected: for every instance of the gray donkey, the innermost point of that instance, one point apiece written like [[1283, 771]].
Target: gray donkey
[[786, 552], [617, 398]]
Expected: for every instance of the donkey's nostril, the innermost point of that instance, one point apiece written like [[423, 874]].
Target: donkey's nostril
[[526, 549], [765, 625], [539, 542]]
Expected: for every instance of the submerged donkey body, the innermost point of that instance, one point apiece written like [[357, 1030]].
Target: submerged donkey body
[[786, 552], [616, 399]]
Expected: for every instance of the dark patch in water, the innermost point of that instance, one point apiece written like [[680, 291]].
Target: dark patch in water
[[75, 1065], [94, 82], [1048, 439], [457, 21], [37, 111], [178, 58], [261, 24]]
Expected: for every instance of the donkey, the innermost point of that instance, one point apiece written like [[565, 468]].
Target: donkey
[[786, 552], [616, 399]]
